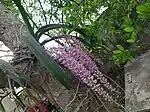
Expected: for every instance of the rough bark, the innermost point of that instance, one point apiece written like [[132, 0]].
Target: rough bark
[[10, 35], [9, 29]]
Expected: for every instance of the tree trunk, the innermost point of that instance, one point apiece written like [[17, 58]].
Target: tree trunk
[[9, 29], [10, 35]]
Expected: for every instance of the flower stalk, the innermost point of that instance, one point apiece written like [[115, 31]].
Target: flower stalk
[[77, 59]]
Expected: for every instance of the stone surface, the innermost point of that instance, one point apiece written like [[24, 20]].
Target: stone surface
[[137, 84], [9, 104]]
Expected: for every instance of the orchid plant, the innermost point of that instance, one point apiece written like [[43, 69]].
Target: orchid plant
[[75, 57]]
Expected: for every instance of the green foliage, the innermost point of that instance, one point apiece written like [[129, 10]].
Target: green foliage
[[144, 10], [11, 6], [122, 55], [131, 27], [110, 28], [65, 78], [103, 21], [103, 24], [130, 30], [49, 27]]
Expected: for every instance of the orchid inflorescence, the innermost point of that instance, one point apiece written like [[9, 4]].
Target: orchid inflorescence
[[77, 59]]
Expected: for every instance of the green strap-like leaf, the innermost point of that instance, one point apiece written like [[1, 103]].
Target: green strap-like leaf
[[12, 73], [46, 28], [81, 31], [45, 59], [24, 15]]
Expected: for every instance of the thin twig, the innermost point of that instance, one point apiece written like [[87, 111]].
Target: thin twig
[[73, 98], [19, 100], [19, 92], [4, 96], [32, 20], [5, 50], [119, 105], [101, 102], [53, 38], [97, 108], [43, 11], [77, 109], [6, 56], [51, 95], [11, 90], [114, 82]]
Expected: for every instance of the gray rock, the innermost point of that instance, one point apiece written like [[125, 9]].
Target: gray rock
[[137, 84]]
